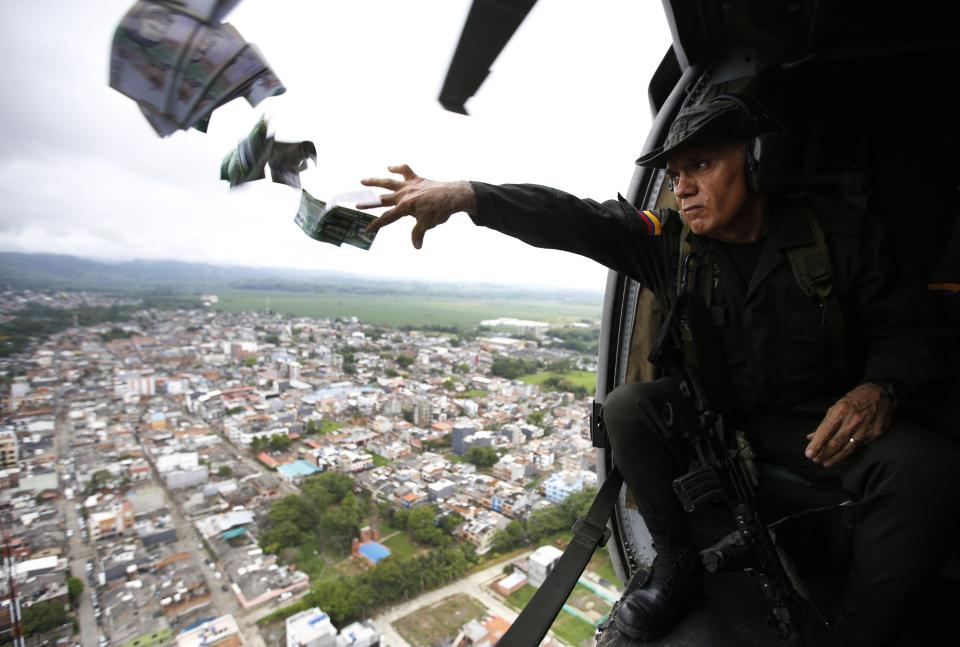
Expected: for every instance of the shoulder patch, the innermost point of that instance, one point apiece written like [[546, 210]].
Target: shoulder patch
[[652, 222]]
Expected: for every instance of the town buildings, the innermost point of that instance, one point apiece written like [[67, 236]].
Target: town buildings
[[143, 456]]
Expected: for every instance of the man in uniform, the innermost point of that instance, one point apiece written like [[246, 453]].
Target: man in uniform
[[853, 342]]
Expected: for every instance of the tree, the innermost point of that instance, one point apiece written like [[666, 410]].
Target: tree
[[225, 471], [44, 616], [450, 522], [257, 445], [403, 361], [511, 368], [99, 479], [482, 456], [74, 589], [536, 418], [422, 524], [280, 442]]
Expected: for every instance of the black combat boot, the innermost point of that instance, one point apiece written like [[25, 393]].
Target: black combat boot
[[653, 601]]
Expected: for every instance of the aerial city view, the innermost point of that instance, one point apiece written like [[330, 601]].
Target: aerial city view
[[196, 476], [658, 345]]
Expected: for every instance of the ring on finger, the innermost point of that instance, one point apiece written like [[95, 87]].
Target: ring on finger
[[852, 440]]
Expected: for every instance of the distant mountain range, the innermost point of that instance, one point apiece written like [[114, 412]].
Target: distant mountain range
[[62, 272]]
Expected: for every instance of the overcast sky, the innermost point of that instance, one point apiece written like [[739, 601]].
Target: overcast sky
[[82, 173]]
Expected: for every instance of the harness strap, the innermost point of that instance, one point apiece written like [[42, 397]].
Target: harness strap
[[590, 532], [814, 275]]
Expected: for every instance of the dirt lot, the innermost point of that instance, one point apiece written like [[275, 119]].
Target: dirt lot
[[429, 626]]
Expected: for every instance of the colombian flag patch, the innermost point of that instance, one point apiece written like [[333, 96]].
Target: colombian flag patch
[[651, 222]]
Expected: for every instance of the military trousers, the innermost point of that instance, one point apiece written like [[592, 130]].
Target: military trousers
[[906, 484]]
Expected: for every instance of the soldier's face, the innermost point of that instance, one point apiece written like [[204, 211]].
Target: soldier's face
[[711, 188]]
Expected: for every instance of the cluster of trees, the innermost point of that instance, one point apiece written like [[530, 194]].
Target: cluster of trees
[[583, 340], [482, 456], [543, 523], [560, 383], [424, 523], [39, 322], [326, 514], [392, 581], [513, 367], [44, 616], [277, 442], [116, 333]]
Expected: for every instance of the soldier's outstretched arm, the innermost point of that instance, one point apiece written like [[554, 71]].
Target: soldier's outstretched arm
[[614, 233]]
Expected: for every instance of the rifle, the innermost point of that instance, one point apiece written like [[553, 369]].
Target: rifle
[[722, 473]]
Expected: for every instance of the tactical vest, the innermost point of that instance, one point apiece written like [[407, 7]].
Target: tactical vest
[[812, 270]]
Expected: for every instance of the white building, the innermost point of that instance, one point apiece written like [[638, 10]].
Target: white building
[[178, 479], [562, 484], [245, 437], [178, 461], [358, 635], [541, 563], [222, 630], [142, 383], [311, 628]]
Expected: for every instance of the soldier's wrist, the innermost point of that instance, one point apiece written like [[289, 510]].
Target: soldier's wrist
[[890, 389]]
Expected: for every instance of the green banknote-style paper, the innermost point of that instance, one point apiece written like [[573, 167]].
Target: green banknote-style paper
[[333, 224]]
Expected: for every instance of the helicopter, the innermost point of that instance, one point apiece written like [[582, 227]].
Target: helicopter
[[861, 90]]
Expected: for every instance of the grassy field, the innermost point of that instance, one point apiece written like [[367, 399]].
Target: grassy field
[[601, 565], [401, 546], [398, 310], [433, 625], [573, 630], [587, 379], [519, 598], [568, 627]]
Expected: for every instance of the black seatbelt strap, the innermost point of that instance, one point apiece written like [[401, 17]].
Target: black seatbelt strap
[[589, 532]]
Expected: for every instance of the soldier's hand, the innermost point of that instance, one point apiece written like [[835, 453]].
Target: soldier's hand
[[860, 417], [431, 203]]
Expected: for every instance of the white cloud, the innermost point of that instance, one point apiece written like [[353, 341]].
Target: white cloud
[[565, 105]]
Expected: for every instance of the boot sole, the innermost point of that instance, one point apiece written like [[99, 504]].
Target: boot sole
[[656, 633]]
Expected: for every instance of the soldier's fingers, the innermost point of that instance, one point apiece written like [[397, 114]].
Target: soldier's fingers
[[388, 218], [848, 449], [382, 182], [824, 432], [419, 231], [850, 427], [404, 170]]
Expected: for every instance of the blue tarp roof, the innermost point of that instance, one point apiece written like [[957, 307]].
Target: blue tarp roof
[[234, 532], [299, 468], [374, 551]]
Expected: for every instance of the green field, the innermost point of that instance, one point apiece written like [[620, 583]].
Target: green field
[[569, 628], [587, 379], [399, 310], [601, 565], [401, 546]]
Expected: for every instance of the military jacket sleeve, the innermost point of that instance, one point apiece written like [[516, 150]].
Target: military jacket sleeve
[[892, 318], [640, 244]]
